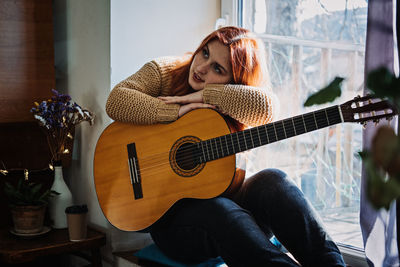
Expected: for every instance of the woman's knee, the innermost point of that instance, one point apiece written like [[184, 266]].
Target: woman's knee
[[272, 173], [268, 178]]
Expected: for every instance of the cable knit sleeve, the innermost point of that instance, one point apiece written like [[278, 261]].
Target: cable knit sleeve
[[249, 105], [134, 99]]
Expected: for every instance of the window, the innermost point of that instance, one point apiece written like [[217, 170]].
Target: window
[[308, 43]]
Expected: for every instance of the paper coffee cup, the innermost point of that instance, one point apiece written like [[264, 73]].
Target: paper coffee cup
[[77, 222]]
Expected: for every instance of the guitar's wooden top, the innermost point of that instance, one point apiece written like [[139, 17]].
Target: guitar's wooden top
[[160, 184]]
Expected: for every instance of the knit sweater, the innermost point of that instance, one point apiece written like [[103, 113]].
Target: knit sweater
[[135, 98]]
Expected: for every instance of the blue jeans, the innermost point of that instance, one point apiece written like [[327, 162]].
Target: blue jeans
[[239, 229]]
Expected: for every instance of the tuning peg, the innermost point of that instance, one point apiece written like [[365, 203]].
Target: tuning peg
[[373, 111], [357, 103], [364, 124]]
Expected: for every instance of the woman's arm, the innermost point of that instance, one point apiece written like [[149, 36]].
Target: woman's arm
[[249, 105], [134, 99]]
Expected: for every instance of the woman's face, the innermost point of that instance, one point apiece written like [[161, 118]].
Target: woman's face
[[210, 65]]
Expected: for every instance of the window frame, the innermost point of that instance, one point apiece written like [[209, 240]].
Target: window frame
[[231, 14]]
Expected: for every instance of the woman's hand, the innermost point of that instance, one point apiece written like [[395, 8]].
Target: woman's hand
[[188, 102], [196, 97]]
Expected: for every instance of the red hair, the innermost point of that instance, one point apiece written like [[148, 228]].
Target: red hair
[[247, 56]]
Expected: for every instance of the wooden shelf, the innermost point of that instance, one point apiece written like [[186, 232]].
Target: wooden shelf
[[14, 249]]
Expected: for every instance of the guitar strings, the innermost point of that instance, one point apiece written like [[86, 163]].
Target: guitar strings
[[187, 159], [229, 145]]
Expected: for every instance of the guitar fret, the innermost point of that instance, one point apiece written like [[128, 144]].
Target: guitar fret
[[289, 125], [280, 130], [284, 130], [259, 137], [244, 138], [208, 154], [266, 134], [334, 115], [211, 148], [310, 122], [199, 152], [216, 147], [322, 119], [276, 135], [227, 146], [233, 145], [294, 128], [327, 118], [299, 125], [202, 149], [315, 119], [305, 128], [271, 133], [251, 137], [289, 128], [237, 137], [222, 149], [264, 139]]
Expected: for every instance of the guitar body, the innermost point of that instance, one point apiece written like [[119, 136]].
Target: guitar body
[[161, 182]]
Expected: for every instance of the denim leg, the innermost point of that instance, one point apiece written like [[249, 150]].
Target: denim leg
[[195, 230], [278, 204]]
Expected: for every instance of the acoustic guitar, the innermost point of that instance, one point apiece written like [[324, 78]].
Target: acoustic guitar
[[140, 171]]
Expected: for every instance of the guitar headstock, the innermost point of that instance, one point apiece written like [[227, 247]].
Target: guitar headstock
[[367, 108]]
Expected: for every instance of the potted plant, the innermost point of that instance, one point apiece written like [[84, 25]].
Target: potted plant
[[28, 204]]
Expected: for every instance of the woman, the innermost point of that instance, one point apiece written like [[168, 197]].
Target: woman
[[227, 73]]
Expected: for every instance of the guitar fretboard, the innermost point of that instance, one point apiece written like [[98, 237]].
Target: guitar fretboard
[[237, 142]]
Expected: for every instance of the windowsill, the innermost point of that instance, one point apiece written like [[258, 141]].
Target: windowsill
[[353, 256]]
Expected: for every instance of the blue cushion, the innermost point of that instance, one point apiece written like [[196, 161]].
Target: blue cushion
[[278, 244], [153, 253]]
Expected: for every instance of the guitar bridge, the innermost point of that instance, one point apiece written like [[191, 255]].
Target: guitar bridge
[[134, 171]]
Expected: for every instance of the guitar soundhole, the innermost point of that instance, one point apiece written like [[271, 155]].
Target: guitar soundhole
[[182, 157]]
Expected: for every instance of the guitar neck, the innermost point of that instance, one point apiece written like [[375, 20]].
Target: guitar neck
[[237, 142]]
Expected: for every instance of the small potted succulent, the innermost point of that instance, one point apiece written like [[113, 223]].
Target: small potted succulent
[[28, 202]]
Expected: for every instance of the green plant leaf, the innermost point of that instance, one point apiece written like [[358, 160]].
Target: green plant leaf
[[19, 184], [9, 189], [35, 188], [381, 191], [383, 83], [27, 193], [326, 94]]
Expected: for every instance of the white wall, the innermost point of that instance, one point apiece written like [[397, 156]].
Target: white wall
[[93, 37], [82, 59], [144, 30]]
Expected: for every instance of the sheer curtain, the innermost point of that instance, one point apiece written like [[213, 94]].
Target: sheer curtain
[[378, 227]]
